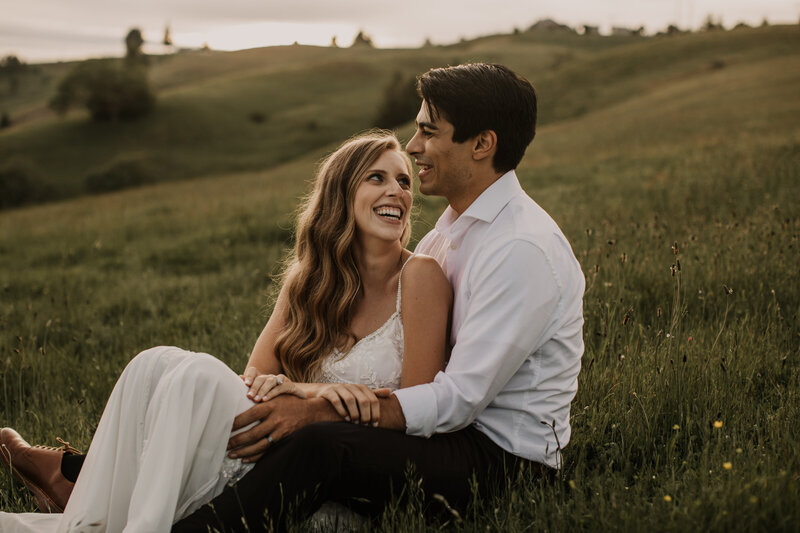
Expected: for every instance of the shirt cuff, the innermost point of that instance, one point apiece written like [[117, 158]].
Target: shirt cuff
[[419, 408]]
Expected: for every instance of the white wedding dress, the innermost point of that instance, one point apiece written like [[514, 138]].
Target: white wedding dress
[[159, 450]]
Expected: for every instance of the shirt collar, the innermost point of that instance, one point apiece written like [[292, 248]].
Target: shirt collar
[[485, 207]]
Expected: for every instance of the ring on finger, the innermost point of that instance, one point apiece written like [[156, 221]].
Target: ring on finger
[[269, 439], [279, 380]]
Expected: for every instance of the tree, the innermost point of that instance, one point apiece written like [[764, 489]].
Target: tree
[[400, 101], [108, 91], [362, 40], [167, 37], [11, 67], [133, 46]]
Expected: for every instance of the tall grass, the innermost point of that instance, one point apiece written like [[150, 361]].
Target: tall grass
[[682, 203]]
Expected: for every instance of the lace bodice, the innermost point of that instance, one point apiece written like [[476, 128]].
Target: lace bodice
[[376, 360]]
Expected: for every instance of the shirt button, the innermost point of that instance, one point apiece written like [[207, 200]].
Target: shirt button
[[453, 246]]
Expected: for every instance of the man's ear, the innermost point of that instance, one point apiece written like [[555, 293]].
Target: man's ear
[[485, 145]]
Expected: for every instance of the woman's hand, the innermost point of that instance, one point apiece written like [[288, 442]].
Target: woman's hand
[[355, 403], [266, 386]]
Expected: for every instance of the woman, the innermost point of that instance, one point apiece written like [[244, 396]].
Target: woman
[[356, 312]]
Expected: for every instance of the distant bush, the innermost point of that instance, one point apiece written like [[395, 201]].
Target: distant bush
[[257, 117], [400, 102], [121, 173], [107, 90], [11, 68], [20, 184]]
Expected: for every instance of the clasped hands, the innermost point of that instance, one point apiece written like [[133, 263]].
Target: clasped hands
[[283, 406]]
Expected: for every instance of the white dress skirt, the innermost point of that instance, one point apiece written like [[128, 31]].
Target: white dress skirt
[[159, 450]]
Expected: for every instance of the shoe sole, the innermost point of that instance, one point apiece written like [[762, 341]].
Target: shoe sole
[[43, 501]]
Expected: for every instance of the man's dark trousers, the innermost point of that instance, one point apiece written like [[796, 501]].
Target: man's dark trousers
[[344, 462]]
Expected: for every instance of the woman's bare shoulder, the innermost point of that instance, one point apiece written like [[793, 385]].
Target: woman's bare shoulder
[[423, 274]]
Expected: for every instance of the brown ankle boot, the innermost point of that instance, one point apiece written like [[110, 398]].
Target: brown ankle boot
[[38, 468]]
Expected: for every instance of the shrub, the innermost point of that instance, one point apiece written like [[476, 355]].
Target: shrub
[[20, 184], [107, 90], [122, 173], [400, 102]]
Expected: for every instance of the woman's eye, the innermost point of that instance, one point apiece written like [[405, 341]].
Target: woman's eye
[[375, 177], [404, 182]]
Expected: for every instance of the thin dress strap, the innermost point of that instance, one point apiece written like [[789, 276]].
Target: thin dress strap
[[400, 283]]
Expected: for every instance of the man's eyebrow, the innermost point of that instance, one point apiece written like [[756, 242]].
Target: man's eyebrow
[[429, 125]]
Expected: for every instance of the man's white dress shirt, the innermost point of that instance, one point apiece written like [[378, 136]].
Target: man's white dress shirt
[[516, 331]]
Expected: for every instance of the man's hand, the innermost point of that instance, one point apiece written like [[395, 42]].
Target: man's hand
[[277, 418], [354, 402]]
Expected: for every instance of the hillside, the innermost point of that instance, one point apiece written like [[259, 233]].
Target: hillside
[[254, 109]]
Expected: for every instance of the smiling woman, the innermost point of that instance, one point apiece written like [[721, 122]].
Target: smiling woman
[[358, 316], [383, 199]]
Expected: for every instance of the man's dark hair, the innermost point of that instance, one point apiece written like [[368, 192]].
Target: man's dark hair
[[477, 97]]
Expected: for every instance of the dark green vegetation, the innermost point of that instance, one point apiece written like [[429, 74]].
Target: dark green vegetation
[[108, 91], [672, 164]]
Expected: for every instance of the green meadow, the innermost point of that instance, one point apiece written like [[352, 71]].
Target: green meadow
[[671, 163]]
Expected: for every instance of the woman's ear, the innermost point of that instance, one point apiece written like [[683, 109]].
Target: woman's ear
[[485, 145]]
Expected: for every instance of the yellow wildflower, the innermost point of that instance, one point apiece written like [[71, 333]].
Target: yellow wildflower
[[667, 498], [676, 427], [717, 424], [727, 465]]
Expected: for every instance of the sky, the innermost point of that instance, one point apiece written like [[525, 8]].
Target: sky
[[49, 30]]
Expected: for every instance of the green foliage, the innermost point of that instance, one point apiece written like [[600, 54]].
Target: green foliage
[[11, 68], [20, 184], [11, 64], [133, 46], [400, 101], [121, 173], [108, 91]]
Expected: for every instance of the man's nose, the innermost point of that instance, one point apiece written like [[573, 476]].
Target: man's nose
[[414, 145]]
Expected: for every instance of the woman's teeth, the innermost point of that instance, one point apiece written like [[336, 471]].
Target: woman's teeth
[[391, 212]]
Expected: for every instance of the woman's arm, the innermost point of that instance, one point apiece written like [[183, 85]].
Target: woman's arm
[[263, 367], [425, 308], [263, 356], [426, 304]]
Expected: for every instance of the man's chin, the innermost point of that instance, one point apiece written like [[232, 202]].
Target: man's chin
[[428, 190]]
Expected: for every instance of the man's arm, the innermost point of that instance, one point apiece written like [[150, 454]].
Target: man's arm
[[514, 297], [283, 415]]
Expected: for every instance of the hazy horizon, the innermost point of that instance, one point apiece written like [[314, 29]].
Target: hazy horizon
[[49, 30]]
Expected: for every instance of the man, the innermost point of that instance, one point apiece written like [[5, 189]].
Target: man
[[503, 399]]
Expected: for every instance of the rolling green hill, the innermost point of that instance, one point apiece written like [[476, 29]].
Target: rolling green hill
[[304, 98]]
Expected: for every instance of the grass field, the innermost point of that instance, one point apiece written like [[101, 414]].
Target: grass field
[[671, 164]]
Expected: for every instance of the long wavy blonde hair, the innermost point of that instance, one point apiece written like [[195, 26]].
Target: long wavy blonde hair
[[321, 282]]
